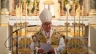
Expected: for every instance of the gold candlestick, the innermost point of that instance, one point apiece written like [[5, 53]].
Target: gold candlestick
[[26, 14], [35, 6], [74, 24], [24, 11], [30, 6], [26, 20], [66, 29], [21, 19], [62, 11], [67, 24], [83, 9], [74, 20], [13, 13], [73, 10], [16, 17], [82, 22], [79, 23]]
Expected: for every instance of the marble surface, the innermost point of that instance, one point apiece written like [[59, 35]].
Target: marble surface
[[34, 20]]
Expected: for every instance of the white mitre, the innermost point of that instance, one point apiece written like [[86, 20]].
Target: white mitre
[[45, 16]]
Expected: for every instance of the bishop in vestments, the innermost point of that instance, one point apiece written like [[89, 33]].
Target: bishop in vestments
[[47, 35]]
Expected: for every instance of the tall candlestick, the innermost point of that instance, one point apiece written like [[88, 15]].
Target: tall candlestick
[[79, 24], [82, 20], [67, 24], [20, 19], [66, 29], [79, 21], [67, 16], [74, 23], [25, 19], [74, 19], [16, 17]]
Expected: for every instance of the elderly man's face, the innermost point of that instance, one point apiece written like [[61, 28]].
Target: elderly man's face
[[47, 26]]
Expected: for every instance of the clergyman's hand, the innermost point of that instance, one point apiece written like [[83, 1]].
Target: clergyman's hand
[[40, 50], [52, 50]]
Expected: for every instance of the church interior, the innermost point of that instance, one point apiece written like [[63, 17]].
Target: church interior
[[75, 19]]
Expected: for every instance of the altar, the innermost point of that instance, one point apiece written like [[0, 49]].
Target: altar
[[58, 24], [34, 20]]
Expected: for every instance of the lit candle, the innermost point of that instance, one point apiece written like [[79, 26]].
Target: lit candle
[[16, 13], [26, 13], [82, 14], [74, 13], [82, 20], [67, 15], [67, 23], [21, 14]]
